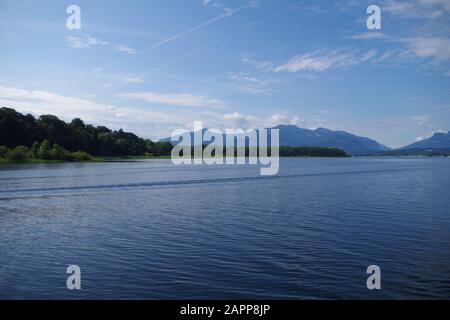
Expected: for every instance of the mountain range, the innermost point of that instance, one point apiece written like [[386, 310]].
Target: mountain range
[[293, 136], [440, 140]]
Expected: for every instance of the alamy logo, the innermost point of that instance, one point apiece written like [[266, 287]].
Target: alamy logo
[[74, 20], [74, 280], [374, 20], [235, 146], [374, 280]]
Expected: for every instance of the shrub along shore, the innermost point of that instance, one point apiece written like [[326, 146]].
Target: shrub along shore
[[41, 153]]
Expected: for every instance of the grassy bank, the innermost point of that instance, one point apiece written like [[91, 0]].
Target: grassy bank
[[4, 161], [116, 158], [45, 153], [42, 161]]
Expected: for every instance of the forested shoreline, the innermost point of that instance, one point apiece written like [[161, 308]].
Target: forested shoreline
[[24, 138]]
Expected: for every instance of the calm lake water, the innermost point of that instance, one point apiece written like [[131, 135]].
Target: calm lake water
[[152, 230]]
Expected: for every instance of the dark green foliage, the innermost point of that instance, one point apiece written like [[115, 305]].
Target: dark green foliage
[[35, 149], [311, 152], [160, 148], [44, 150], [79, 156], [17, 129], [3, 151], [295, 152], [443, 152], [58, 153], [19, 154]]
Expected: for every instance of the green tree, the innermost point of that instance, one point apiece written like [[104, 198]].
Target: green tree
[[17, 129], [35, 149], [80, 156], [44, 150], [3, 151], [19, 154], [58, 153]]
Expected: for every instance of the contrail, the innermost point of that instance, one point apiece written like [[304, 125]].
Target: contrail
[[160, 43], [250, 25], [170, 63]]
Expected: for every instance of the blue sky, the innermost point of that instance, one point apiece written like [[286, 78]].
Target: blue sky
[[155, 66]]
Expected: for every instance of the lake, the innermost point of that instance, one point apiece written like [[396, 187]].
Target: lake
[[152, 230]]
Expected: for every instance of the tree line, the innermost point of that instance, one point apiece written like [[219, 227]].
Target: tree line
[[311, 152], [49, 137]]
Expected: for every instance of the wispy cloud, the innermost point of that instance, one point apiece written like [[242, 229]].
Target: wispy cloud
[[369, 55], [109, 80], [385, 56], [170, 39], [250, 83], [433, 51], [437, 48], [416, 8], [84, 42], [239, 120], [87, 41], [141, 76], [322, 60], [368, 36], [124, 48], [216, 4], [263, 66], [177, 99]]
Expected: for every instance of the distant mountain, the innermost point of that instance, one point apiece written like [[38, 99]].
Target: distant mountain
[[438, 141], [291, 136]]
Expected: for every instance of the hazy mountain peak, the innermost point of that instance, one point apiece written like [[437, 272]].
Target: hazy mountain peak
[[291, 135], [439, 140]]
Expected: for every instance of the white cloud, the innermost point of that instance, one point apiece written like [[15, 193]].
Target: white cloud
[[252, 84], [263, 66], [38, 102], [239, 120], [368, 36], [125, 49], [83, 42], [218, 5], [398, 7], [178, 99], [417, 8], [427, 136], [437, 48], [108, 79], [322, 61], [384, 56], [143, 121], [87, 41], [369, 55]]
